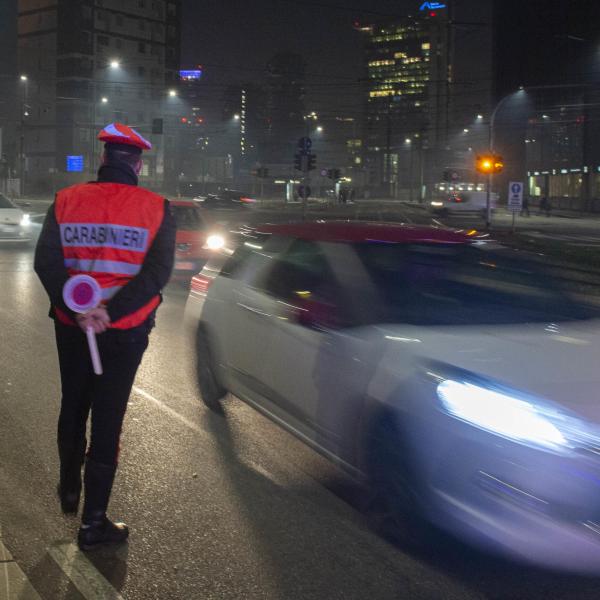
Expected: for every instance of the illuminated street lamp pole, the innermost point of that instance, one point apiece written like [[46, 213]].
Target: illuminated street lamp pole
[[491, 130], [113, 65], [25, 82]]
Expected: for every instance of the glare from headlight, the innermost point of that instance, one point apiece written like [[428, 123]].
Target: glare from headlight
[[25, 220], [500, 413], [215, 241], [436, 203]]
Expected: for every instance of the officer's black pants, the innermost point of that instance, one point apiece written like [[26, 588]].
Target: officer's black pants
[[105, 395]]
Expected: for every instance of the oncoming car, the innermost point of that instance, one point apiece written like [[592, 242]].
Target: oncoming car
[[15, 225], [455, 375], [196, 238], [463, 203]]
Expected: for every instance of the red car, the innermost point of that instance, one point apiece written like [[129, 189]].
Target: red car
[[195, 239]]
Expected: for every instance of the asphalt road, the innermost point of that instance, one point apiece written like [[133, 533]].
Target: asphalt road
[[219, 506]]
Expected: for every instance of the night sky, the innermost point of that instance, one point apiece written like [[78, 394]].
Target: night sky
[[234, 39]]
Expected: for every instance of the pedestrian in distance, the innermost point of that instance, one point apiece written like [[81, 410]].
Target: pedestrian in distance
[[123, 236], [525, 206]]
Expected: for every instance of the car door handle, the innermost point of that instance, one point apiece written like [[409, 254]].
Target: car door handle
[[253, 310]]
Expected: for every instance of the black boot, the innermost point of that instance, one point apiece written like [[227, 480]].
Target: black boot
[[69, 487], [96, 529]]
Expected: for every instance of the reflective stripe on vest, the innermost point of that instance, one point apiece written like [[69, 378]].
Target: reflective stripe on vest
[[102, 266], [106, 231]]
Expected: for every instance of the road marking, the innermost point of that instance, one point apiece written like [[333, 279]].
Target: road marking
[[14, 584], [173, 413], [185, 421], [90, 583]]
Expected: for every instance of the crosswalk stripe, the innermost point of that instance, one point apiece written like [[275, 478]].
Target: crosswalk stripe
[[90, 583]]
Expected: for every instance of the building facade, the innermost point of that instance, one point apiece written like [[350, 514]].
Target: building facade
[[549, 131], [89, 63], [9, 98], [427, 85]]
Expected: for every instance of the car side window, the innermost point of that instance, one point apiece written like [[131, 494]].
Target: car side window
[[301, 270]]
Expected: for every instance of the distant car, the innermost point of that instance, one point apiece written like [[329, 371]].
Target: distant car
[[15, 225], [226, 199], [463, 203], [196, 239], [455, 375]]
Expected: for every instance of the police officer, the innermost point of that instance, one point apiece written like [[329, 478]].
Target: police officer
[[124, 237]]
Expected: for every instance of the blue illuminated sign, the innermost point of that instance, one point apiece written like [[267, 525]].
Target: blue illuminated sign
[[190, 75], [432, 6], [75, 164]]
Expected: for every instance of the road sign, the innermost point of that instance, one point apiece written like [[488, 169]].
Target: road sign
[[304, 191], [515, 196], [75, 164], [305, 144]]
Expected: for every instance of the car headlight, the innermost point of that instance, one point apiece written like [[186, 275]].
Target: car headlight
[[436, 203], [215, 241], [520, 419], [25, 220]]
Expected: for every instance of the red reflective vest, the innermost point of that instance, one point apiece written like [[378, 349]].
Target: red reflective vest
[[106, 230]]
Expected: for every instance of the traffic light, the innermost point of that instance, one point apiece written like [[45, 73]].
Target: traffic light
[[489, 164], [312, 162], [333, 173], [298, 162]]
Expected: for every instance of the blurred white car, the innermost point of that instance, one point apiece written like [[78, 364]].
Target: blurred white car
[[454, 374], [15, 225], [463, 202]]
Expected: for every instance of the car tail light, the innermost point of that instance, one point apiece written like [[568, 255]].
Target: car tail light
[[200, 283], [247, 200], [457, 199]]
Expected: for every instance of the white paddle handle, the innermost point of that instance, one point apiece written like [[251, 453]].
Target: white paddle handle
[[93, 346]]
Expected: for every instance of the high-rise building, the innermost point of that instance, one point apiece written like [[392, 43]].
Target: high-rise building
[[91, 62], [9, 83], [284, 121], [427, 78]]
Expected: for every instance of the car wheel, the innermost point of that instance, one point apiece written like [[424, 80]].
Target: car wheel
[[211, 390], [394, 482]]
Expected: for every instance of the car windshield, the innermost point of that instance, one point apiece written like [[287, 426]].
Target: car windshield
[[467, 285], [187, 218], [5, 202]]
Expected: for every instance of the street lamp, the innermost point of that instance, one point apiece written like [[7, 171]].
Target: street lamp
[[24, 113], [104, 100], [320, 129]]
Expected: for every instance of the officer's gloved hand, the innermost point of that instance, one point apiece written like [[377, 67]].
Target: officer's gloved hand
[[96, 318]]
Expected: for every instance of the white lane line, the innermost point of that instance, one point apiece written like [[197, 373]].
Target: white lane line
[[206, 435], [90, 583], [170, 411]]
